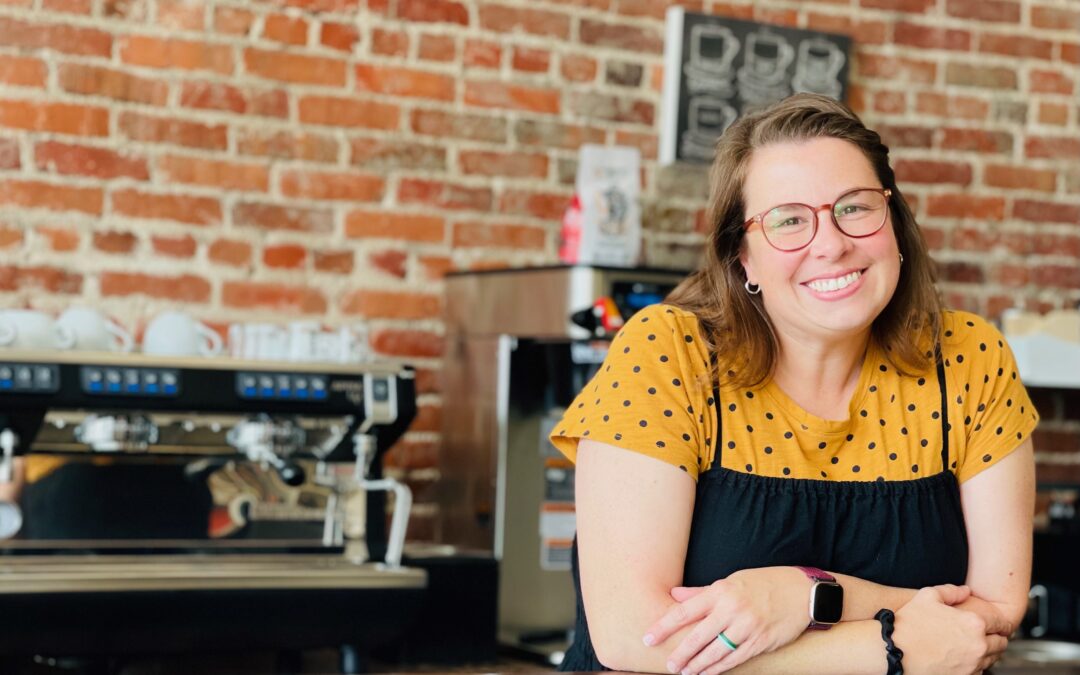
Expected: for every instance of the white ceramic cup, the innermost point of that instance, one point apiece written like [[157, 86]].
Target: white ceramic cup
[[95, 332], [31, 329], [177, 334]]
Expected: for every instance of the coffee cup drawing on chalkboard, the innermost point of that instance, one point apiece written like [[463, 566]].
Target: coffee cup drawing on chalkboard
[[707, 118], [817, 70], [763, 76], [712, 54]]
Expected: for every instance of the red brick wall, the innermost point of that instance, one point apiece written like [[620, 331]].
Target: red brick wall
[[334, 158]]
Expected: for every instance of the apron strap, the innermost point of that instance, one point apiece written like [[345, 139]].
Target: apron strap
[[944, 412]]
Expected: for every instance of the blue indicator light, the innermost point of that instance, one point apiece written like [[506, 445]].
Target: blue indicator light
[[170, 389], [249, 391], [267, 391], [133, 388], [151, 389], [95, 387], [284, 392], [5, 384], [320, 393], [301, 393]]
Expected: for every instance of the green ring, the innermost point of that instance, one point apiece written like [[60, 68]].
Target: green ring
[[727, 641]]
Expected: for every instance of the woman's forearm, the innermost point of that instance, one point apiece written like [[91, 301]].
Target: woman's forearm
[[849, 648], [863, 599]]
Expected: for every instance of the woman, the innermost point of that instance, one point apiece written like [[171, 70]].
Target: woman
[[803, 400]]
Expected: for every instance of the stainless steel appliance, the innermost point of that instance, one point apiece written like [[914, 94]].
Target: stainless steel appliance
[[520, 344], [159, 504]]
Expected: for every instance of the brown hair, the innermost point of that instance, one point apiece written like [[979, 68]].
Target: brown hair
[[734, 323]]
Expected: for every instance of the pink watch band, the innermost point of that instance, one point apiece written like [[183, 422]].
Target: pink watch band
[[816, 574]]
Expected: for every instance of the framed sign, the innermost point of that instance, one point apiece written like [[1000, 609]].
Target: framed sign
[[717, 68]]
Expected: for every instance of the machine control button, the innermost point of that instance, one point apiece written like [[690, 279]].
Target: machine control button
[[266, 386], [24, 377]]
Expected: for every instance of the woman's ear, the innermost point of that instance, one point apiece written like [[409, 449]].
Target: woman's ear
[[744, 260]]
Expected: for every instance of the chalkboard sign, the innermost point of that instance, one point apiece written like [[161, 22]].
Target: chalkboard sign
[[716, 68]]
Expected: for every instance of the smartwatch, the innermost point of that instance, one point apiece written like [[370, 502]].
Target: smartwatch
[[826, 599]]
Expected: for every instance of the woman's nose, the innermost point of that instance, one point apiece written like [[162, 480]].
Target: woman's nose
[[829, 242]]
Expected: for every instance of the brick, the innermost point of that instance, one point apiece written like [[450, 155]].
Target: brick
[[389, 42], [646, 143], [544, 205], [896, 68], [508, 165], [1002, 11], [114, 242], [502, 95], [318, 6], [617, 108], [931, 37], [436, 267], [1053, 113], [289, 30], [966, 206], [10, 238], [555, 134], [34, 194], [404, 82], [334, 262], [392, 305], [444, 195], [865, 32], [181, 208], [1050, 147], [481, 54], [890, 102], [229, 252], [182, 288], [1019, 178], [1044, 243], [976, 140], [932, 172], [114, 84], [1046, 212], [25, 35], [433, 11], [214, 173], [291, 256], [279, 297], [344, 112], [531, 60], [1055, 18], [81, 160], [621, 36], [1056, 276], [139, 127], [391, 342], [961, 272], [404, 226], [50, 279], [475, 234], [261, 142], [181, 14], [174, 247], [391, 262], [508, 20], [964, 107], [1016, 45], [578, 68], [150, 52], [1070, 52], [61, 118], [60, 239], [1050, 82], [909, 6], [68, 6], [233, 21], [624, 74], [441, 48], [279, 217], [978, 239], [987, 77], [468, 126], [294, 68], [387, 154], [240, 100], [23, 71], [332, 186], [341, 36], [1013, 112]]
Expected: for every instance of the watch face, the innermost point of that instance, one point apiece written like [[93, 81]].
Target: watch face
[[827, 603]]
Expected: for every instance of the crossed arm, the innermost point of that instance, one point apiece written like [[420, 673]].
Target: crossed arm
[[634, 516]]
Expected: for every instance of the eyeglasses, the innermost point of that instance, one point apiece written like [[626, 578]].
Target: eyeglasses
[[857, 213]]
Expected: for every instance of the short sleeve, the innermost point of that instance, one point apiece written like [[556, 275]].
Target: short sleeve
[[651, 394], [997, 412]]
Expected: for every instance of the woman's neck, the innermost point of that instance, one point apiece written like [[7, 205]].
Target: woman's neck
[[821, 375]]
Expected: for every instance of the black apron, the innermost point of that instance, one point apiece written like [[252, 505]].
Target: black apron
[[907, 534]]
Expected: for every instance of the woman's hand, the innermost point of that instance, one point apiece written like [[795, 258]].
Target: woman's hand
[[758, 609], [938, 638]]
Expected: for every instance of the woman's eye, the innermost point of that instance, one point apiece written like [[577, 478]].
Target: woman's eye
[[788, 222]]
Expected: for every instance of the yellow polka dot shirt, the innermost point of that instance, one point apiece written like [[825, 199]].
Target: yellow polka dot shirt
[[652, 395]]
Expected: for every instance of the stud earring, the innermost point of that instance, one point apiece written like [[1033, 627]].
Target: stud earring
[[901, 258], [752, 289]]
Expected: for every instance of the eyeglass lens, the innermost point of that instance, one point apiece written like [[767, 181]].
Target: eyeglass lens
[[857, 214]]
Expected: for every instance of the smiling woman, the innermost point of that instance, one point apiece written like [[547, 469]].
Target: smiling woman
[[802, 425]]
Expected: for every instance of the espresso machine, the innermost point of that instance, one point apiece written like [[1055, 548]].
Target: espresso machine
[[153, 505], [520, 344]]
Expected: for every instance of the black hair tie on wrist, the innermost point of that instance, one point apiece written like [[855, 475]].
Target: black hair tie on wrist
[[893, 654]]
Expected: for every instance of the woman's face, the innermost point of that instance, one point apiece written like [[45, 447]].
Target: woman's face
[[815, 172]]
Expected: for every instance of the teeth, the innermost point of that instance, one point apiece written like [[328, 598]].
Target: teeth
[[827, 285]]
